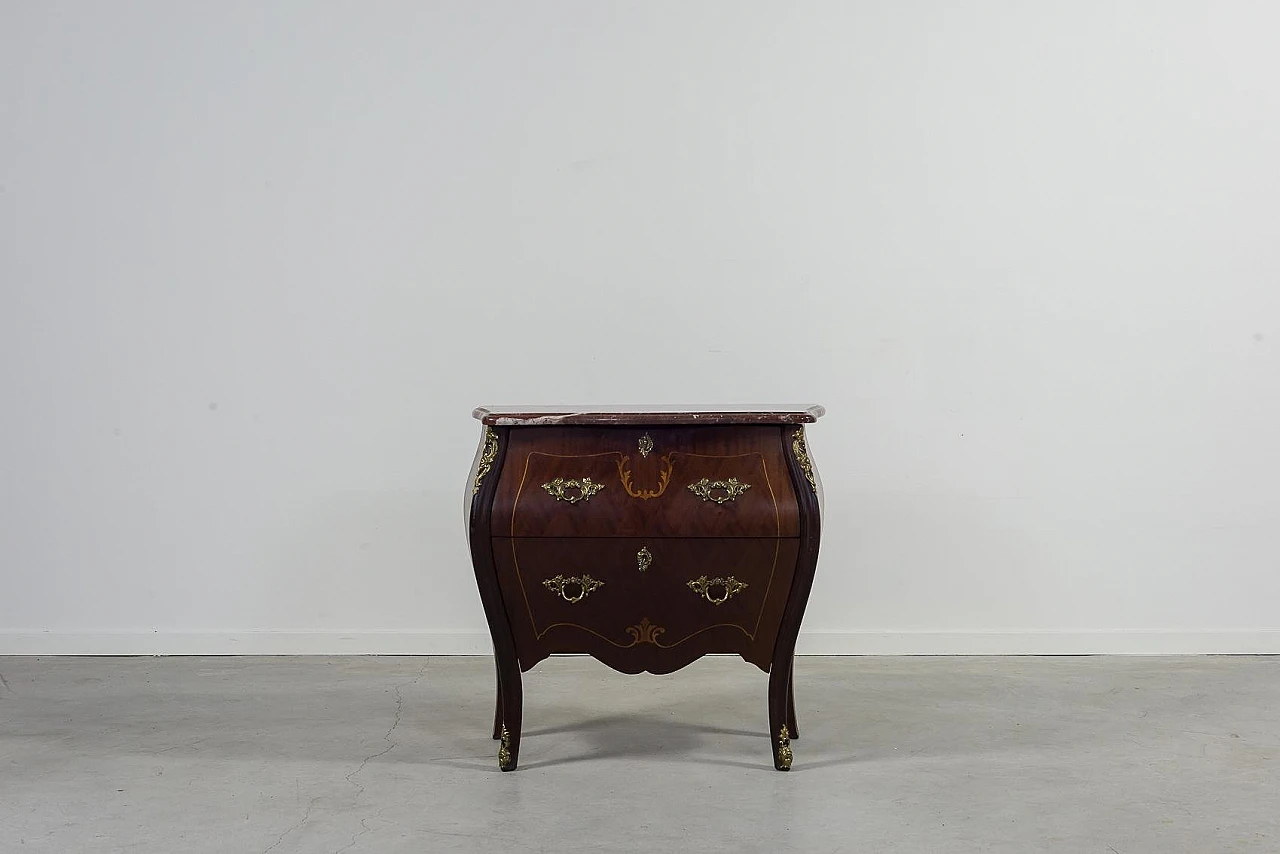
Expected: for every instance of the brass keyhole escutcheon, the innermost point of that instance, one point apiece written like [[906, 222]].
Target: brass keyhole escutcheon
[[644, 558]]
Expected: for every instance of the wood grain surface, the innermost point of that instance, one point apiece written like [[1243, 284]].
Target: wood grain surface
[[646, 495]]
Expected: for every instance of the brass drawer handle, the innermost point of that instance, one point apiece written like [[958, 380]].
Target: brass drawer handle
[[585, 585], [702, 585], [644, 558], [586, 488], [707, 489]]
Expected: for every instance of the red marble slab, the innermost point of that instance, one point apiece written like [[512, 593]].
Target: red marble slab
[[622, 416]]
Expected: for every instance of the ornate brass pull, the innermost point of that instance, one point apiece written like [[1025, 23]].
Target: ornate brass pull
[[719, 491], [586, 488], [702, 586], [644, 558], [585, 585]]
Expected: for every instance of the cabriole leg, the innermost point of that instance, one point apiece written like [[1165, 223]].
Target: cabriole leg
[[779, 733], [497, 712], [791, 702], [512, 706]]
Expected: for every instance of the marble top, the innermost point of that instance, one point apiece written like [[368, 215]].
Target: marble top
[[544, 416]]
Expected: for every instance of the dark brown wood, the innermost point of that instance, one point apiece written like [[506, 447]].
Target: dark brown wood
[[646, 416], [600, 561], [497, 708], [645, 495], [791, 703], [645, 620], [510, 692], [781, 705]]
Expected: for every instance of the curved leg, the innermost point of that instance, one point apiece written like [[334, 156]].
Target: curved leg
[[779, 733], [486, 470], [791, 702], [497, 712], [782, 714], [512, 708]]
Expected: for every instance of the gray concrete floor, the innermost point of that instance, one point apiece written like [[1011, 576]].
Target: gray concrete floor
[[1106, 755]]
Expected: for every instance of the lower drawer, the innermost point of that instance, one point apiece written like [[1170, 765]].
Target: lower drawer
[[645, 604]]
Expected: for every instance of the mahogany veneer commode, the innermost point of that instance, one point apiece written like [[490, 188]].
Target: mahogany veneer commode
[[646, 538]]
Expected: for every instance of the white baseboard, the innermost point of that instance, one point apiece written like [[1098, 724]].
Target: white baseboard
[[1259, 642], [246, 643]]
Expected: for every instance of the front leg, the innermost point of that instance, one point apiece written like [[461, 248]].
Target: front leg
[[791, 701], [512, 708], [497, 712], [782, 714], [779, 731]]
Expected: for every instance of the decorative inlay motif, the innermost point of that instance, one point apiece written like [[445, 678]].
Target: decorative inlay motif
[[504, 751], [784, 749], [664, 477], [708, 490], [487, 456], [585, 585], [586, 488], [646, 445], [646, 632], [703, 586], [802, 456], [644, 558]]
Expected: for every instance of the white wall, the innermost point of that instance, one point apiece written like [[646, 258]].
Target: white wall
[[258, 262]]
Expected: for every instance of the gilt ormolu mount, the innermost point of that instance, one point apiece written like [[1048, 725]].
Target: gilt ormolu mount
[[646, 538]]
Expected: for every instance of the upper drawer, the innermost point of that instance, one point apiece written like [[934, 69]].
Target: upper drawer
[[654, 482]]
